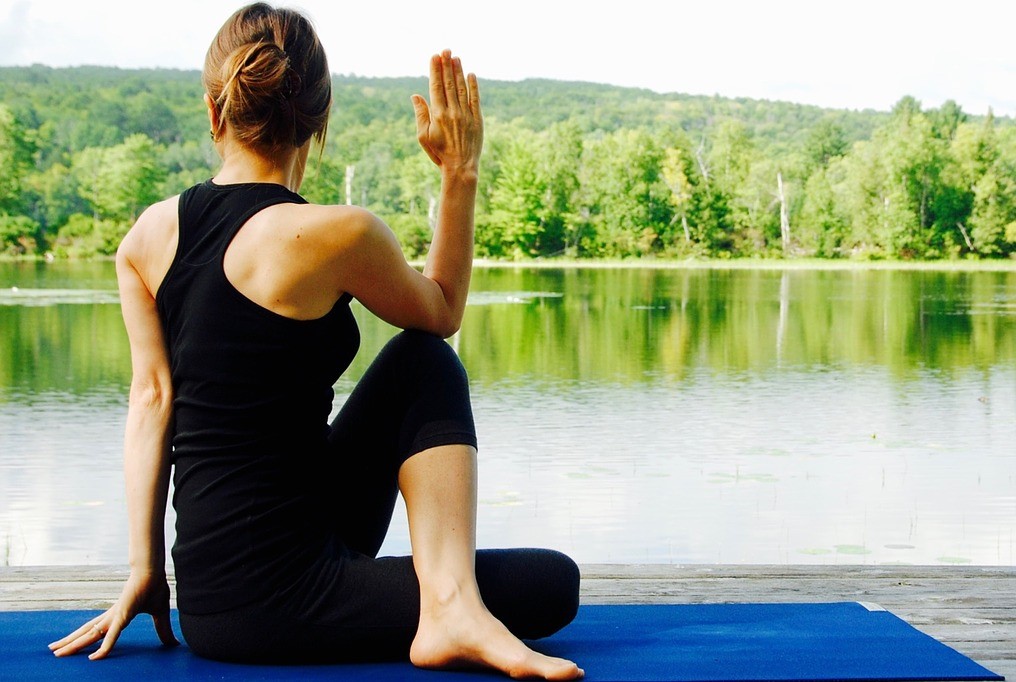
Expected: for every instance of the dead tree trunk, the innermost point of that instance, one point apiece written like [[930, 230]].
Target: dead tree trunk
[[350, 172], [966, 237], [700, 159], [784, 216]]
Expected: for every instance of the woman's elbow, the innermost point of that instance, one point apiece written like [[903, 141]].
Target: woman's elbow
[[151, 395], [440, 329], [447, 323], [450, 328]]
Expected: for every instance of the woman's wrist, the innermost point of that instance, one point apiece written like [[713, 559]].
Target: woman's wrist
[[153, 564], [149, 574], [461, 174]]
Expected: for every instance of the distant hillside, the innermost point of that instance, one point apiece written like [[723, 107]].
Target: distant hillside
[[39, 93], [569, 168]]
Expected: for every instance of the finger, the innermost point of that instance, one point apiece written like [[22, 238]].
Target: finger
[[437, 94], [89, 635], [433, 157], [461, 91], [60, 643], [423, 125], [75, 646], [422, 115], [448, 80], [164, 628], [109, 639], [474, 95], [85, 629]]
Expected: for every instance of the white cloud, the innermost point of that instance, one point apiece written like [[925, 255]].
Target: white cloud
[[865, 53], [12, 31]]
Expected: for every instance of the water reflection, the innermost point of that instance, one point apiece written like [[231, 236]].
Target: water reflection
[[751, 416]]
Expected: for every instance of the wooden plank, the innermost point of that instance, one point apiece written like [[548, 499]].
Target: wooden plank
[[808, 571]]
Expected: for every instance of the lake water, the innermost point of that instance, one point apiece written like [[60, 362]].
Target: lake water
[[624, 415]]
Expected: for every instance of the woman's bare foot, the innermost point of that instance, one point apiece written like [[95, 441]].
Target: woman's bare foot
[[462, 633]]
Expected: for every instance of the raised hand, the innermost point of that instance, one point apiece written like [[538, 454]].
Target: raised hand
[[450, 129], [144, 593]]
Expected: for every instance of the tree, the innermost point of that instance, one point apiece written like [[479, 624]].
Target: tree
[[323, 181], [825, 142], [993, 217], [747, 181], [946, 119], [678, 169], [898, 207], [149, 115], [530, 209], [190, 162], [52, 196], [821, 225], [16, 150], [558, 158], [120, 181], [625, 196], [514, 225], [18, 235]]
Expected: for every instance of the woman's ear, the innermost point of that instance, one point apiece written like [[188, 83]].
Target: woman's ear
[[213, 115]]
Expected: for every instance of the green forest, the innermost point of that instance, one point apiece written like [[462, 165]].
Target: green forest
[[570, 170]]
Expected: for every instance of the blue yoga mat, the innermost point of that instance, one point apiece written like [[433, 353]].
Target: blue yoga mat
[[676, 643]]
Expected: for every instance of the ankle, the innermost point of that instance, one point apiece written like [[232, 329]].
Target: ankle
[[448, 593]]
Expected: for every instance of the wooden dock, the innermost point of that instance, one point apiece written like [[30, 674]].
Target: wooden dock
[[971, 609]]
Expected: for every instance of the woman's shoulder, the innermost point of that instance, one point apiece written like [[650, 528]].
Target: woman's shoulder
[[161, 211], [156, 225], [337, 214], [150, 245], [336, 247], [336, 224]]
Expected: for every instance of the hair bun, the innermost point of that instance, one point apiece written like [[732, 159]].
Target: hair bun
[[293, 85], [257, 68], [267, 74]]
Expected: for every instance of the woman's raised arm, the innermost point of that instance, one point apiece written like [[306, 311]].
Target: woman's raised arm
[[450, 130]]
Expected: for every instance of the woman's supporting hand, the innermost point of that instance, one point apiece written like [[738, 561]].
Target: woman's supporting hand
[[142, 593], [450, 130]]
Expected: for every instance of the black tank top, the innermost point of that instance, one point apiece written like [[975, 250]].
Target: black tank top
[[252, 395]]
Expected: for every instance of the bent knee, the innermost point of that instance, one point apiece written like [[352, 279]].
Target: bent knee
[[563, 604], [421, 343], [425, 353], [535, 592]]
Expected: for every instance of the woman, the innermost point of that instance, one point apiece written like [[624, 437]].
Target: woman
[[235, 296]]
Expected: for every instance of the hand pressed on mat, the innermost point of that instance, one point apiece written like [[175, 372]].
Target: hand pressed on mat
[[142, 593]]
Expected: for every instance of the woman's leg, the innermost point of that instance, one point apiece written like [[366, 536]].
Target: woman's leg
[[369, 609], [455, 629], [409, 420], [414, 395]]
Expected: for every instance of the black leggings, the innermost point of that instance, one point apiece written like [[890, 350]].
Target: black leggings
[[350, 605]]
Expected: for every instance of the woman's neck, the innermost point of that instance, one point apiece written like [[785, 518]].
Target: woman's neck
[[242, 164]]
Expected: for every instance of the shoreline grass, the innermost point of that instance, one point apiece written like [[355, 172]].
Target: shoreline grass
[[967, 265], [750, 264]]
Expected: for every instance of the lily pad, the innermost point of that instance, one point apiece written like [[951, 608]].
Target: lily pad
[[954, 560]]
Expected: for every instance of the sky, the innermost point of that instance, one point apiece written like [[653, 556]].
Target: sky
[[848, 54]]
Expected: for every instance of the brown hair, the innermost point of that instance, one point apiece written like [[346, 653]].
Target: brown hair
[[268, 75]]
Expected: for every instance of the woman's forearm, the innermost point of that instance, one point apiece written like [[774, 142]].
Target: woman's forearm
[[147, 469], [450, 259]]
